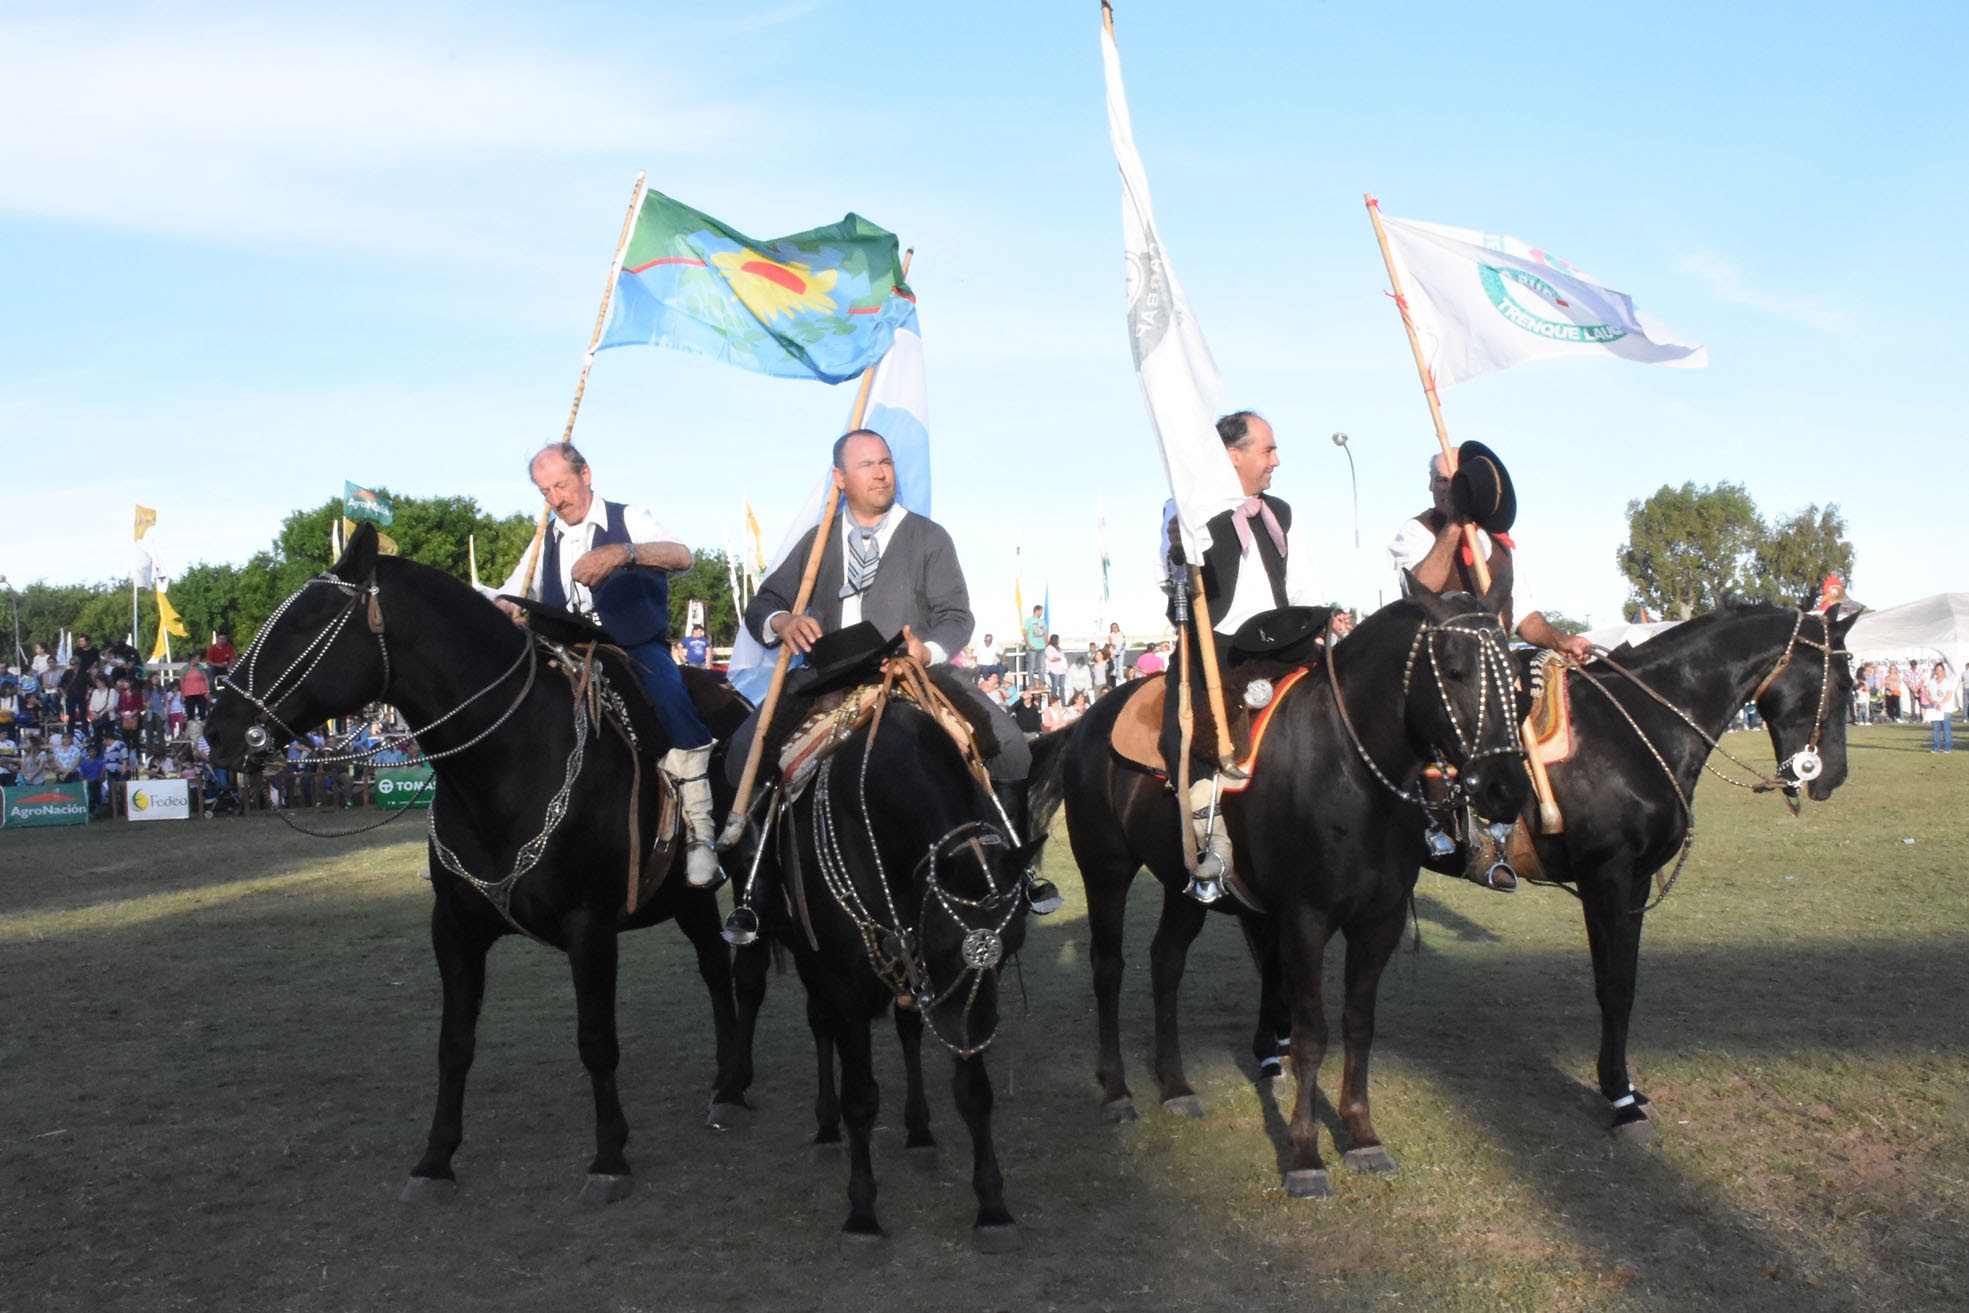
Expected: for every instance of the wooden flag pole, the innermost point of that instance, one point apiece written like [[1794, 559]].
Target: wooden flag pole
[[1550, 819], [735, 826], [1480, 566], [587, 363], [1212, 682]]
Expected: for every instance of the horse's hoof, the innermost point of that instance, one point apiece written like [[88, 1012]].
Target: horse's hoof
[[1639, 1132], [923, 1157], [1185, 1105], [428, 1190], [1270, 1069], [727, 1116], [1120, 1110], [1311, 1183], [826, 1151], [601, 1188], [861, 1246], [1376, 1160], [999, 1238]]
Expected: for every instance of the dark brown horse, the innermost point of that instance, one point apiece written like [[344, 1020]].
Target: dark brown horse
[[1328, 836], [530, 828]]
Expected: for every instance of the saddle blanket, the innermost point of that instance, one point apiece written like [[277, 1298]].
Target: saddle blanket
[[1137, 737], [1550, 722]]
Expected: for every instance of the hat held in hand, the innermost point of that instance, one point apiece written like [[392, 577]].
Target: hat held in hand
[[1481, 490]]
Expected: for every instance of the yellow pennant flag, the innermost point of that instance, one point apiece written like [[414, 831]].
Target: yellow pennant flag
[[161, 649], [168, 619], [145, 518], [384, 543], [758, 542]]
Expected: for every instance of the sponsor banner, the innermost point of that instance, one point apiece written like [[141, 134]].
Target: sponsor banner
[[45, 804], [158, 800], [403, 786]]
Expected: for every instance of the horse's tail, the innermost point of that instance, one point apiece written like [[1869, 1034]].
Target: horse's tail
[[1046, 784]]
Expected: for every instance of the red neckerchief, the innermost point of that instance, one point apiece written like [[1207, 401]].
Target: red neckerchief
[[1435, 519]]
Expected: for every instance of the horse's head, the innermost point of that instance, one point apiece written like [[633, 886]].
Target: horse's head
[[1458, 700], [1803, 703], [958, 889], [320, 654]]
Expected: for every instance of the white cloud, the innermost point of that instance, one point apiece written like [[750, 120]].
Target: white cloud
[[379, 139], [1727, 283]]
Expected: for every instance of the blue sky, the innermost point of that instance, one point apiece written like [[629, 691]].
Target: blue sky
[[251, 252]]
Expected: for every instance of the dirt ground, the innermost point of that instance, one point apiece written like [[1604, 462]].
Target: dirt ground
[[217, 1068]]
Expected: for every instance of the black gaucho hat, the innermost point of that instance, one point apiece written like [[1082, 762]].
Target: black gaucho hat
[[1482, 491], [839, 659], [1291, 633]]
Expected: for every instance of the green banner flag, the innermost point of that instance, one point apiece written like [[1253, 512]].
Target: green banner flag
[[365, 504], [44, 804]]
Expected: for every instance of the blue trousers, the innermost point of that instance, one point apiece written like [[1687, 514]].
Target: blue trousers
[[1944, 736], [635, 608]]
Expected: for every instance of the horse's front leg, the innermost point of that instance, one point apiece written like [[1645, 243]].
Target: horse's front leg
[[697, 917], [1182, 918], [1107, 910], [1613, 931], [860, 1101], [1302, 947], [994, 1231], [827, 1099], [591, 956], [916, 1104], [460, 951], [1368, 950], [1273, 1037], [750, 967]]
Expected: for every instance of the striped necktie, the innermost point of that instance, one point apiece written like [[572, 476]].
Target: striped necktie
[[863, 555]]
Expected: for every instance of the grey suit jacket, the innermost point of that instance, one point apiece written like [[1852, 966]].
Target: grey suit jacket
[[918, 584]]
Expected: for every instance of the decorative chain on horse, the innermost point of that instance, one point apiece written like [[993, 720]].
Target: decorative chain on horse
[[891, 946], [1804, 765], [1495, 676]]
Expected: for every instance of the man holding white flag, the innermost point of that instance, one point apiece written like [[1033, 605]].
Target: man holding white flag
[[1218, 472], [1481, 303]]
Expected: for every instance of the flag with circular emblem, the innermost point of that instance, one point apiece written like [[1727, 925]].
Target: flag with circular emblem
[[823, 304]]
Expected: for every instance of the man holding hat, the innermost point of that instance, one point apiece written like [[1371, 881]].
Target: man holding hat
[[1431, 546], [611, 562]]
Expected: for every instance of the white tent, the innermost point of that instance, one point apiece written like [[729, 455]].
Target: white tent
[[1938, 624], [1612, 636]]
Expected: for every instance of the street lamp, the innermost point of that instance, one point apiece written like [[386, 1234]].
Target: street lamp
[[1340, 441]]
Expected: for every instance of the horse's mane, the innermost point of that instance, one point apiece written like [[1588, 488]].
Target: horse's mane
[[1673, 645]]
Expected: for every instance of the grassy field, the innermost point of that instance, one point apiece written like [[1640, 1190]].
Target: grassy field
[[217, 1067]]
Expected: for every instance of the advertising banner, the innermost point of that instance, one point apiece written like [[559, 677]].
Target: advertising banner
[[403, 786], [158, 800], [45, 804]]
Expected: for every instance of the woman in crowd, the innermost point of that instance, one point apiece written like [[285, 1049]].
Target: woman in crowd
[[1056, 668], [194, 686], [1097, 667], [1891, 692], [101, 703], [174, 711], [1937, 705], [129, 714]]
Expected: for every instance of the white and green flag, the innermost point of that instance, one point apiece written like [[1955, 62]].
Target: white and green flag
[[1482, 303]]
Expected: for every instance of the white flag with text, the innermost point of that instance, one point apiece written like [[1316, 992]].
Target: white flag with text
[[1481, 303], [1179, 377]]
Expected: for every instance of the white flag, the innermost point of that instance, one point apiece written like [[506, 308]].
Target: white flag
[[1481, 303], [1179, 379], [143, 567]]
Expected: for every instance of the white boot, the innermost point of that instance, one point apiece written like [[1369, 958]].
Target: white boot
[[689, 770], [1213, 842]]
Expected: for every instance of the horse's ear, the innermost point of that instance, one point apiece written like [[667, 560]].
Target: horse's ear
[[1413, 587], [1498, 596], [1841, 625], [358, 560]]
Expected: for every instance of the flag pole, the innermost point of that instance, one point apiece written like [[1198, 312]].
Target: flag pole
[[1550, 819], [587, 363], [741, 804], [1478, 564]]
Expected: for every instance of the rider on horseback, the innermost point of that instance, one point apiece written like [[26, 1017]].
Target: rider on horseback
[[610, 562], [1432, 548], [1248, 569], [900, 572]]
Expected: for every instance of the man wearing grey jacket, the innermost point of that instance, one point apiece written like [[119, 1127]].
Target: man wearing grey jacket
[[899, 572]]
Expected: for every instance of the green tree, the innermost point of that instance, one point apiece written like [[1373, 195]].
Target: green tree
[[206, 597], [1688, 549], [1563, 623], [709, 581], [1796, 553], [47, 609]]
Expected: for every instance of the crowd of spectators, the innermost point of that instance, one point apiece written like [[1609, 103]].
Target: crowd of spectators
[[1897, 692]]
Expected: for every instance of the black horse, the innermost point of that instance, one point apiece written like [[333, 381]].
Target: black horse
[[531, 826], [1329, 835], [1646, 721], [909, 884]]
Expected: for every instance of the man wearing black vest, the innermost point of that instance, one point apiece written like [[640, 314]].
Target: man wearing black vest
[[1248, 568], [611, 562]]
